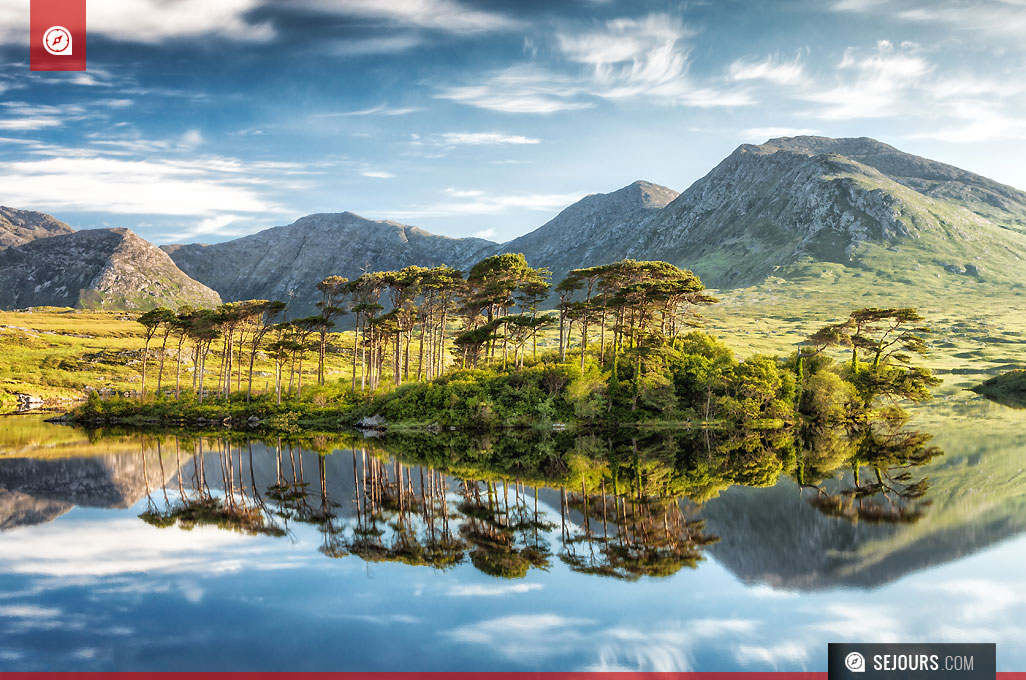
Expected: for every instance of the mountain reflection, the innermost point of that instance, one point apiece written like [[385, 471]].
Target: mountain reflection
[[648, 504]]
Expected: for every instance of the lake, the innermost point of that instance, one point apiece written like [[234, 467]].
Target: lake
[[157, 552]]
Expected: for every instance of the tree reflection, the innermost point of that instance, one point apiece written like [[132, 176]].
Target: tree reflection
[[630, 504], [882, 460]]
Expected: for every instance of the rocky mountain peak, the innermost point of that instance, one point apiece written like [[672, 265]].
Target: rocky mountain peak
[[96, 268], [852, 147], [21, 226]]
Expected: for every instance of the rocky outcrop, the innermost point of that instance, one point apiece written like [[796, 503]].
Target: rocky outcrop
[[18, 227], [286, 263], [817, 200], [588, 232], [38, 490], [93, 269]]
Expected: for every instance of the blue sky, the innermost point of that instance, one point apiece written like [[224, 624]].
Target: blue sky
[[201, 120]]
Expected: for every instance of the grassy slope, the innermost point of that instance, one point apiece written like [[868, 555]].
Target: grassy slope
[[55, 354]]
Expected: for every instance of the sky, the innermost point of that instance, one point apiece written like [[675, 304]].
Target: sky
[[204, 120]]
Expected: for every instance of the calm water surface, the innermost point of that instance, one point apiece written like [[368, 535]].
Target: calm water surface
[[123, 552]]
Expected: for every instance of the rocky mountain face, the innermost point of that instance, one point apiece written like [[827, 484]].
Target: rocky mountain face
[[18, 227], [284, 263], [795, 207], [811, 209], [96, 268], [845, 201], [585, 234], [38, 490]]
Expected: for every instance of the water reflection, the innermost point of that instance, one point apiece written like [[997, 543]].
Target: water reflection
[[629, 506]]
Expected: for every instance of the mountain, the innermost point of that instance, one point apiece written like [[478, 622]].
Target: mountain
[[845, 217], [271, 263], [585, 233], [856, 204], [976, 499], [38, 490], [96, 268], [18, 227]]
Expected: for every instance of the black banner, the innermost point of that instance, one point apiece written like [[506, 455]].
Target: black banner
[[854, 661]]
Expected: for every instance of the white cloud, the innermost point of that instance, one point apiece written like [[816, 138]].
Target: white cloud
[[520, 89], [105, 548], [192, 138], [30, 123], [484, 203], [479, 138], [211, 225], [383, 44], [463, 193], [646, 57], [629, 40], [489, 234], [154, 21], [88, 182], [762, 134], [1000, 18], [770, 69], [442, 15], [875, 84], [787, 654], [381, 109], [377, 174], [489, 590], [975, 121]]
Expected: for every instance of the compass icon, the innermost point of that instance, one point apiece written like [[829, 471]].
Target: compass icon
[[57, 41]]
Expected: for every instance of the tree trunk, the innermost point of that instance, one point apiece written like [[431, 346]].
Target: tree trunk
[[160, 373], [146, 354], [178, 369], [252, 359], [199, 377]]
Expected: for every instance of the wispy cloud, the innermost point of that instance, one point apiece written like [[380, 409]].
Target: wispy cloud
[[771, 69], [380, 110], [154, 21], [627, 58], [874, 83], [214, 225], [479, 138], [447, 16], [98, 183], [477, 202], [377, 174], [520, 89], [488, 590], [1001, 18], [762, 134]]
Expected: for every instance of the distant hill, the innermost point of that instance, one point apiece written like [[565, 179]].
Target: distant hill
[[587, 232], [776, 208], [272, 263], [832, 218], [96, 268], [18, 227]]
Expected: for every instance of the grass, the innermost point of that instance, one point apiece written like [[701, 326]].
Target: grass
[[1008, 389], [56, 353], [979, 331]]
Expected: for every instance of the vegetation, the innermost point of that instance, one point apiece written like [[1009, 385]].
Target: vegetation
[[1008, 388], [628, 501], [627, 353]]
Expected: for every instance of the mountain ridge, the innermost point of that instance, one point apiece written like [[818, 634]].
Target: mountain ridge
[[18, 227], [96, 268], [802, 209]]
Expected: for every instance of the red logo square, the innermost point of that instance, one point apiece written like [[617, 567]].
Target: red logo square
[[57, 40]]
